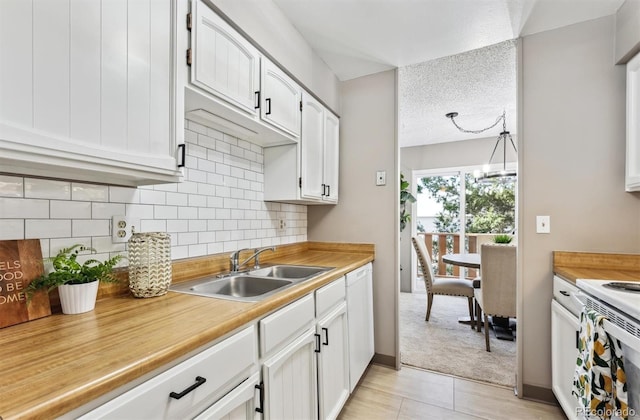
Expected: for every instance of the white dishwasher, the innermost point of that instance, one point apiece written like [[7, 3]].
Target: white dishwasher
[[565, 327], [360, 321]]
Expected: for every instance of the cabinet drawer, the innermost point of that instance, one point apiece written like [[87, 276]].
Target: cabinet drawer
[[284, 325], [219, 369], [329, 296]]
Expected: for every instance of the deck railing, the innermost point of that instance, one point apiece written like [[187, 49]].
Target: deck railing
[[441, 243]]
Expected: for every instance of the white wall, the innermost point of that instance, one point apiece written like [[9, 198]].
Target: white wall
[[366, 212], [265, 23], [218, 207], [572, 168]]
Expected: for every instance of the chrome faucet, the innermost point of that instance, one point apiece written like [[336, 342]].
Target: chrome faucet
[[234, 259]]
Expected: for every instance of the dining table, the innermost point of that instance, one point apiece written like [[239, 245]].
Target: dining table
[[468, 260], [501, 326]]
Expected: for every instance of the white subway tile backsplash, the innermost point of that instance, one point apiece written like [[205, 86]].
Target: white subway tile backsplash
[[177, 199], [21, 208], [89, 192], [179, 252], [139, 211], [188, 188], [153, 225], [214, 248], [107, 210], [177, 225], [70, 209], [45, 228], [169, 188], [206, 237], [195, 175], [11, 186], [188, 238], [153, 197], [123, 195], [11, 229], [187, 212], [196, 200], [218, 208], [197, 225], [206, 141], [55, 245], [46, 188], [165, 212], [92, 227], [197, 250]]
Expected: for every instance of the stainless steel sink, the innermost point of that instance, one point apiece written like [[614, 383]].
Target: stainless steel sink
[[289, 271], [251, 286], [239, 287]]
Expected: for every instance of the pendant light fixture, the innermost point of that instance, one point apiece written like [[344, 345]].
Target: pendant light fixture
[[486, 172]]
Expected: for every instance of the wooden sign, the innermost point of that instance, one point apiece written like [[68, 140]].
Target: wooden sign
[[20, 263]]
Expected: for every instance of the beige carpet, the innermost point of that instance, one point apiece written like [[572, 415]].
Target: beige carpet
[[443, 345]]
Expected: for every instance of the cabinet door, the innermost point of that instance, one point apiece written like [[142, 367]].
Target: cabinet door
[[311, 148], [360, 316], [85, 90], [331, 156], [290, 381], [281, 99], [333, 363], [564, 352], [632, 178], [239, 404], [224, 63]]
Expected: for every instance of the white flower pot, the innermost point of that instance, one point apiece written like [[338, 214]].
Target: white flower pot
[[78, 298]]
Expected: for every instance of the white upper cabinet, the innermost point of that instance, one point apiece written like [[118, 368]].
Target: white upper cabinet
[[311, 149], [281, 99], [86, 90], [331, 156], [224, 63], [632, 178], [233, 88], [306, 173]]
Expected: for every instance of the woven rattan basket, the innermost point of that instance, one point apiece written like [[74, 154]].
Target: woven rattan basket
[[149, 264]]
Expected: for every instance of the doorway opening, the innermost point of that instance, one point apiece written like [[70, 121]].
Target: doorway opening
[[454, 213]]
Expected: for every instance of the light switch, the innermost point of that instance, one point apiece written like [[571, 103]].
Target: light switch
[[381, 178], [543, 224]]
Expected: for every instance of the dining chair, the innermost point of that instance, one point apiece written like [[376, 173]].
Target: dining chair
[[440, 285], [497, 293]]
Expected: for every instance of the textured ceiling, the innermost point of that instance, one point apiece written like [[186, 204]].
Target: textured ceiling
[[360, 37], [478, 84]]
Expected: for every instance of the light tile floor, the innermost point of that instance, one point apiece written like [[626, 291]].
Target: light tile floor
[[410, 393]]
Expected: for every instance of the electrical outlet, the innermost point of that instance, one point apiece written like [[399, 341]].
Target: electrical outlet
[[122, 227], [282, 225]]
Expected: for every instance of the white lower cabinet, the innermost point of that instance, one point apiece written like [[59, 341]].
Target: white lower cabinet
[[333, 355], [290, 380], [190, 387], [239, 404]]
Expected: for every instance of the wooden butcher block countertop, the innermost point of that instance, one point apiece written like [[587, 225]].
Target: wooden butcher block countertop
[[603, 266], [53, 365]]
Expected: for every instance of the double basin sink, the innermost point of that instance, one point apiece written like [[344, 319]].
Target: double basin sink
[[250, 286]]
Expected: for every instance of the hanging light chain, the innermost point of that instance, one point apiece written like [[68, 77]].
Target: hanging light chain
[[500, 118]]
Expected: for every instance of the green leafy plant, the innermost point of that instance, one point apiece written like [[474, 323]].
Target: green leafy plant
[[405, 196], [502, 239], [68, 270]]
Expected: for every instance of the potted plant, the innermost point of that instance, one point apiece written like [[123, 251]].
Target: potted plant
[[502, 239], [77, 282]]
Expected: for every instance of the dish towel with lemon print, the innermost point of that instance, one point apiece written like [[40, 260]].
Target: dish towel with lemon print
[[599, 381]]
